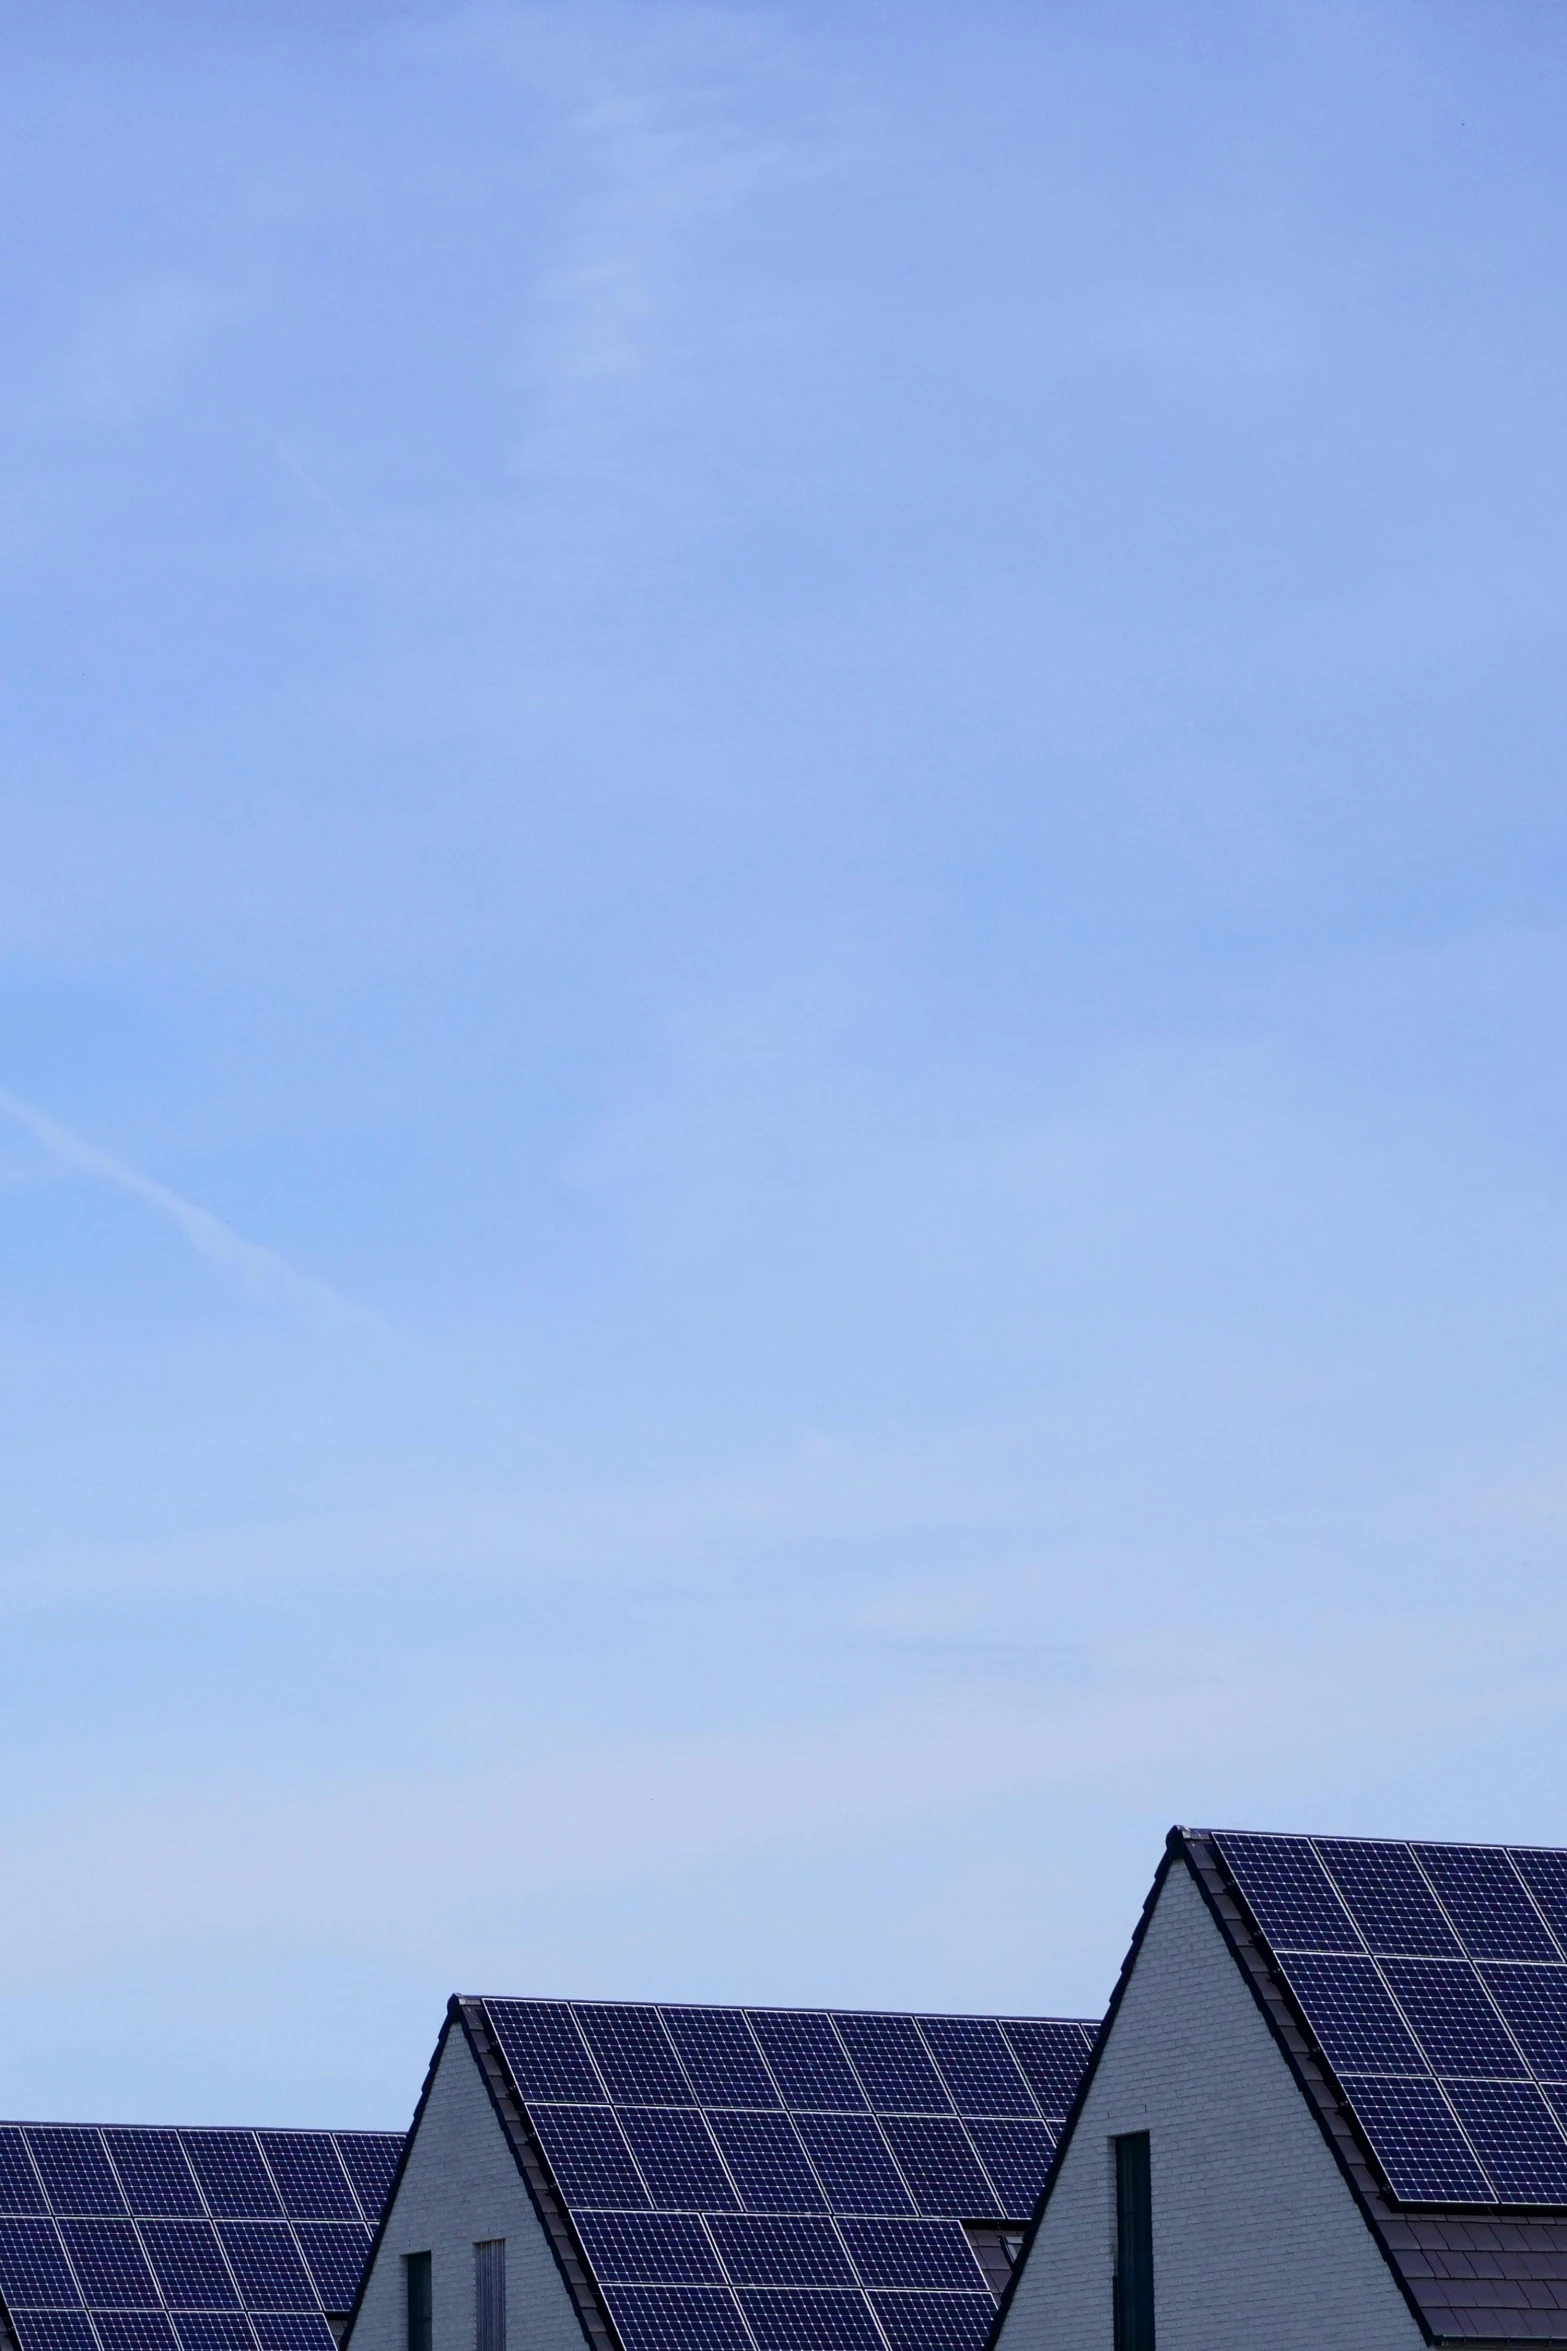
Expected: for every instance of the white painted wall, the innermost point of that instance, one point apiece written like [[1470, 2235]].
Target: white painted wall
[[1258, 2244], [461, 2185]]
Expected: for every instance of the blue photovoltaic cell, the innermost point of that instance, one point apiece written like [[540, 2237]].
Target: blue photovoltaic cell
[[676, 2318], [19, 2188], [75, 2171], [1480, 1892], [540, 2042], [1289, 1893], [591, 2161], [807, 2061], [721, 2057], [153, 2172], [1417, 2143], [1451, 2017], [810, 2322], [655, 2248], [334, 2254], [977, 2066], [213, 2330], [634, 2055], [678, 2160], [893, 2064], [1053, 2057], [32, 2266], [108, 2260], [52, 2330], [309, 2177], [266, 2262], [233, 2177], [1545, 1875], [293, 2330], [936, 2322], [940, 2166], [764, 2153], [188, 2265], [1516, 2138], [1390, 1901], [1534, 2002], [134, 2330], [912, 2253], [855, 2167], [1017, 2157], [1349, 2010], [781, 2252], [370, 2159]]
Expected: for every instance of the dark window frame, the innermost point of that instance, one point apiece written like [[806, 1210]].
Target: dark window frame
[[489, 2294], [1134, 2293], [419, 2299]]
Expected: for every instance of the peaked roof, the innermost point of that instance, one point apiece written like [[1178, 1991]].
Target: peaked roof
[[732, 2179], [1418, 1993], [133, 2239]]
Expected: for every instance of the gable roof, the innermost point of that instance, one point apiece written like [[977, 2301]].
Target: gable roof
[[1418, 1993], [135, 2239], [731, 2179]]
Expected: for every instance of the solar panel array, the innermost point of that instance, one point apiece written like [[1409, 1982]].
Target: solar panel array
[[164, 2240], [787, 2179], [1434, 1978]]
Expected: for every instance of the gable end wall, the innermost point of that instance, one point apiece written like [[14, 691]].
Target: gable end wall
[[461, 2184], [1257, 2239]]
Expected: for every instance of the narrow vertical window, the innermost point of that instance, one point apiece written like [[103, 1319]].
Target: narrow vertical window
[[416, 2268], [1133, 2244], [489, 2295]]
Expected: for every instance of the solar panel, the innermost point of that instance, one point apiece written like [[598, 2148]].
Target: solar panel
[[134, 2330], [940, 2166], [676, 2156], [733, 2190], [935, 2322], [75, 2171], [721, 2058], [107, 2259], [1450, 2016], [658, 2248], [234, 2180], [267, 2264], [854, 2163], [1534, 2002], [806, 2058], [188, 2264], [1352, 2014], [1545, 1875], [912, 2253], [1290, 1893], [309, 2177], [1388, 1897], [979, 2069], [769, 2252], [589, 2157], [893, 2064], [1487, 1902], [153, 2172], [810, 2322], [1516, 2137], [370, 2159], [1419, 2146], [33, 2267], [1017, 2155], [20, 2190], [209, 2330], [766, 2161], [52, 2330], [334, 2254], [677, 2318], [1052, 2057], [293, 2330]]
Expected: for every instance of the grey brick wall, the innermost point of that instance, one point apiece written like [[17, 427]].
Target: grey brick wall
[[1258, 2244], [461, 2185]]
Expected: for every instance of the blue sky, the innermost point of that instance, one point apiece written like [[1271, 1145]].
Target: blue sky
[[782, 963]]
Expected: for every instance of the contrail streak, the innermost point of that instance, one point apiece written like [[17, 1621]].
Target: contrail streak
[[261, 1273]]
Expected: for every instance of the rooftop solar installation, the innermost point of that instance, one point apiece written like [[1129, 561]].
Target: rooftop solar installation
[[169, 2240], [1433, 1979], [789, 2179]]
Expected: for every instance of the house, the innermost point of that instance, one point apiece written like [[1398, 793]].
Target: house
[[174, 2240], [1327, 2108], [638, 2178]]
